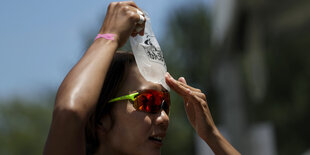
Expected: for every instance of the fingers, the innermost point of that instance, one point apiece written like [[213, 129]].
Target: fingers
[[181, 81], [139, 20], [183, 89], [133, 11], [176, 86], [134, 14], [189, 93], [200, 95], [131, 3], [141, 16], [141, 23], [189, 87]]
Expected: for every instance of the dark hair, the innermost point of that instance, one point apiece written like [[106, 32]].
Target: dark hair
[[112, 83]]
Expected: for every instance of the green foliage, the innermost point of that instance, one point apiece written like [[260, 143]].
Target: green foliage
[[24, 127], [186, 53], [287, 100]]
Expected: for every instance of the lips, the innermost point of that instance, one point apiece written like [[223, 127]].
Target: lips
[[157, 139]]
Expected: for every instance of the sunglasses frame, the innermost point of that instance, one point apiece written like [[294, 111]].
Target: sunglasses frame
[[132, 97]]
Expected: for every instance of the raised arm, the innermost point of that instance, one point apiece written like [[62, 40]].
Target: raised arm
[[79, 92], [198, 113]]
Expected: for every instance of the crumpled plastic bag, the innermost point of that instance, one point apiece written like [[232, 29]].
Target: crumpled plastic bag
[[149, 57]]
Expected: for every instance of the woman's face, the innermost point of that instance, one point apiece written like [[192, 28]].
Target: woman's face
[[132, 131]]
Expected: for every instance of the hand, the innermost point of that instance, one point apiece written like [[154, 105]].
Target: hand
[[199, 115], [122, 20], [195, 104]]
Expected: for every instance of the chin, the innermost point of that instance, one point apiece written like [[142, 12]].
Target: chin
[[152, 152], [156, 152], [148, 151]]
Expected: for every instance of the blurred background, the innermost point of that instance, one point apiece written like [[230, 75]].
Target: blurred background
[[249, 56]]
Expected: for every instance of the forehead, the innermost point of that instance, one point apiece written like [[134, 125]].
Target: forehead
[[134, 81]]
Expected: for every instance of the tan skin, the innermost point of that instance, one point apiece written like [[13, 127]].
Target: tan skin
[[132, 129], [199, 115], [79, 92]]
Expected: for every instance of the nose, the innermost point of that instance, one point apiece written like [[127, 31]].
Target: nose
[[162, 120]]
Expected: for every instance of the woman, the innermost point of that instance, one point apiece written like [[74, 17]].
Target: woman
[[105, 106]]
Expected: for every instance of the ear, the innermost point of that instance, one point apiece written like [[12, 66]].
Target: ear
[[104, 126]]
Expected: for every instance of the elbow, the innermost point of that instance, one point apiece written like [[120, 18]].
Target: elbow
[[73, 102], [69, 108]]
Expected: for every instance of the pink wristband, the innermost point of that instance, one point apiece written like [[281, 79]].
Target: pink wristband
[[108, 36]]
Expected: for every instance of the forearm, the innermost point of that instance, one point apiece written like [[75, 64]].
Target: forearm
[[76, 98], [81, 88], [218, 144]]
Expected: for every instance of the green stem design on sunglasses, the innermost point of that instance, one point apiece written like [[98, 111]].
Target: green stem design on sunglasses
[[125, 97]]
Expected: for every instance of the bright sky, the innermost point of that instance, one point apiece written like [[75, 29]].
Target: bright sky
[[41, 40]]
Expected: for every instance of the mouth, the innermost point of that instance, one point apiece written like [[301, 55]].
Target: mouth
[[158, 140]]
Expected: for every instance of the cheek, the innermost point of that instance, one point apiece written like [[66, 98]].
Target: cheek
[[131, 128], [136, 123]]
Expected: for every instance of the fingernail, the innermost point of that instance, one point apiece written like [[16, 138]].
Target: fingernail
[[183, 79], [168, 74]]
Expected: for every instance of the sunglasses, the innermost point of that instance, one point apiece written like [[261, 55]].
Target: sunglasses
[[150, 101]]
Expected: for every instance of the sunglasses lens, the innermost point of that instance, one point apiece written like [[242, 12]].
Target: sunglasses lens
[[151, 101], [165, 106]]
